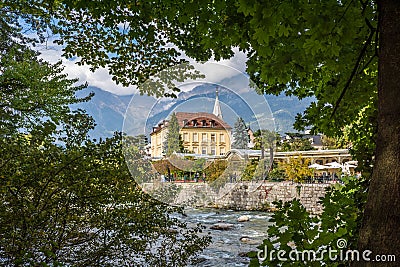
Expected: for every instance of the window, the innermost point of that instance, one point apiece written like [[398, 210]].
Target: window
[[195, 137], [204, 137], [222, 151], [195, 150], [158, 139], [204, 150], [213, 150], [222, 138], [194, 123], [213, 138], [186, 137], [204, 123]]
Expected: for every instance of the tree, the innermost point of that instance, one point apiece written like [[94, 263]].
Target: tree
[[307, 231], [66, 199], [173, 142], [296, 169], [240, 135], [215, 170], [267, 139], [344, 53], [334, 142], [80, 206], [297, 144]]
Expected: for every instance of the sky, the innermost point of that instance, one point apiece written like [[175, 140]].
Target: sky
[[101, 78]]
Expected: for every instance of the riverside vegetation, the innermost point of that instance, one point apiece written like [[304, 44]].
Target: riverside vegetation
[[344, 53]]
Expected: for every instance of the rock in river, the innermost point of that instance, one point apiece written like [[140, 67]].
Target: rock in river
[[248, 240], [222, 226], [243, 218]]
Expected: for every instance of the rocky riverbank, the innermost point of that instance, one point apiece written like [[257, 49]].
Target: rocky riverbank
[[231, 244]]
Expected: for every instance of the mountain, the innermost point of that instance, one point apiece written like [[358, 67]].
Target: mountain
[[144, 112], [107, 109]]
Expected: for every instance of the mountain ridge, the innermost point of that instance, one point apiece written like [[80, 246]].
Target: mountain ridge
[[109, 110]]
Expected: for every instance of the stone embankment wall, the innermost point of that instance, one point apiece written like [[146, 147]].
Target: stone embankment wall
[[256, 196], [245, 195]]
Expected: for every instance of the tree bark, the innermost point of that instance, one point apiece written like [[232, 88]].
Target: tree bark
[[381, 221]]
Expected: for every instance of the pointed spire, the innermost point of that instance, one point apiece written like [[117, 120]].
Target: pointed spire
[[217, 108]]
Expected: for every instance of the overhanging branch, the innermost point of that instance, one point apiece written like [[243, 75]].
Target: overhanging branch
[[356, 66]]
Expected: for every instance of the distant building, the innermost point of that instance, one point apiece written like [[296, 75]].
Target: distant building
[[201, 132], [315, 140]]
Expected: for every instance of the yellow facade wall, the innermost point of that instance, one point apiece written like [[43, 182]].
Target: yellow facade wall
[[209, 141]]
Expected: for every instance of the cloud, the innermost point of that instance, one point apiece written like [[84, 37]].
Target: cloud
[[99, 78], [215, 71]]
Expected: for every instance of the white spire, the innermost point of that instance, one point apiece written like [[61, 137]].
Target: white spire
[[217, 108]]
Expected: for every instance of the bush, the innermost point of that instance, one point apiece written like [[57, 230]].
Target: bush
[[294, 228]]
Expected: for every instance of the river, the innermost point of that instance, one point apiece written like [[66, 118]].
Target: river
[[227, 248]]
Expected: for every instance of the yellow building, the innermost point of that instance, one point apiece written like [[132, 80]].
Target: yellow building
[[202, 133]]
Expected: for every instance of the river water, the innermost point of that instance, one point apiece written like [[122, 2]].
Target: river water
[[227, 248]]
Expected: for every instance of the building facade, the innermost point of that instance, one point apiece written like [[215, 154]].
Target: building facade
[[201, 133]]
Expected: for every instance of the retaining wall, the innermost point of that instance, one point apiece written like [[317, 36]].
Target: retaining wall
[[243, 195]]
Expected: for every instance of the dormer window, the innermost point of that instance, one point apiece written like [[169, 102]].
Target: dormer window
[[213, 123], [194, 123], [204, 123], [184, 122]]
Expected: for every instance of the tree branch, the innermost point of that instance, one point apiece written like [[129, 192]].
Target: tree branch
[[354, 71]]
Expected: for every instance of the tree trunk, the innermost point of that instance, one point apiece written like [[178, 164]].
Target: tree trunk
[[271, 158], [262, 150], [381, 222]]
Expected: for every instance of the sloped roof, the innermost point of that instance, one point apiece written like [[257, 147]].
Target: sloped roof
[[190, 117], [200, 116]]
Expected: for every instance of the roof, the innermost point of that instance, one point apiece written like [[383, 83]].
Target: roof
[[188, 119], [200, 116]]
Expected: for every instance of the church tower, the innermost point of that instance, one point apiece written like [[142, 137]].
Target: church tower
[[217, 108]]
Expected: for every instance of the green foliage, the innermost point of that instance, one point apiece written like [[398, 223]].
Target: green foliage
[[118, 35], [277, 173], [175, 165], [173, 142], [24, 77], [198, 165], [255, 170], [296, 229], [327, 50], [215, 170], [297, 144], [248, 172], [266, 139], [240, 135], [66, 199], [296, 169], [80, 206]]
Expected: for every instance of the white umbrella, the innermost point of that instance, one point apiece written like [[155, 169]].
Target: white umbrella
[[347, 166], [334, 165], [317, 166], [350, 166]]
